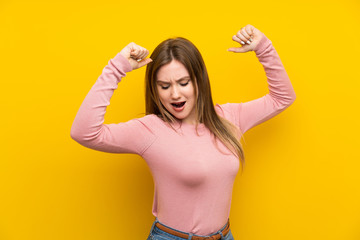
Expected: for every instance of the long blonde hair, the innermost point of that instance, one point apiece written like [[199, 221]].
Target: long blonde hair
[[185, 52]]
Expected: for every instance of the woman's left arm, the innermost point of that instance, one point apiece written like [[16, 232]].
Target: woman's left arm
[[281, 93]]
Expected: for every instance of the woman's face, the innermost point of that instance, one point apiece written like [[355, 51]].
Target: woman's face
[[176, 91]]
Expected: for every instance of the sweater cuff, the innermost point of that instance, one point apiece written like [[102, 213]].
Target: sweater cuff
[[122, 63], [262, 45]]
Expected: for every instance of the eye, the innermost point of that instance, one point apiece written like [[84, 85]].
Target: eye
[[164, 87], [184, 84]]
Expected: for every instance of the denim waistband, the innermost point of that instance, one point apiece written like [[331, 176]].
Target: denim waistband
[[190, 234]]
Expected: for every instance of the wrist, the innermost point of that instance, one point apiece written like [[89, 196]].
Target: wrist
[[262, 45], [123, 62]]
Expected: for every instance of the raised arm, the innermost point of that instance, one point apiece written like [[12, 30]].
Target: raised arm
[[281, 93], [88, 128]]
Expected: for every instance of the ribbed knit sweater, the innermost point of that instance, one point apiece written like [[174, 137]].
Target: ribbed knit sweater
[[193, 176]]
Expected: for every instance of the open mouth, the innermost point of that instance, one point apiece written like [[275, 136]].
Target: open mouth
[[178, 105]]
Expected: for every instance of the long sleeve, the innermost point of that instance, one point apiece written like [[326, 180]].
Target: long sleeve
[[88, 129], [281, 93]]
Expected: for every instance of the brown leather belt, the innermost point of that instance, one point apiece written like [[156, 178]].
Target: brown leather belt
[[186, 236]]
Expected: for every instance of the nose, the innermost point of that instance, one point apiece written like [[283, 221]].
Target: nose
[[175, 93]]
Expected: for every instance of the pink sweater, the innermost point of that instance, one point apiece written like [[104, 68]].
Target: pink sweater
[[193, 180]]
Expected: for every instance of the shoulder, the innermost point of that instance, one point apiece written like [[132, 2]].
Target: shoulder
[[227, 109], [147, 119], [230, 111], [151, 121]]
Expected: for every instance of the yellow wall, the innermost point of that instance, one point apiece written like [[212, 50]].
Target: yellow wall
[[302, 176]]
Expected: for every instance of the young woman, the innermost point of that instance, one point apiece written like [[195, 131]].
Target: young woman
[[192, 147]]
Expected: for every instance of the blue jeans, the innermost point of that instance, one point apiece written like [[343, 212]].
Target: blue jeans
[[158, 234]]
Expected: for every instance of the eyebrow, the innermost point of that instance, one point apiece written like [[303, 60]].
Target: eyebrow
[[183, 78]]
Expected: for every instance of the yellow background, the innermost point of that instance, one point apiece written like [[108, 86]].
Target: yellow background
[[302, 176]]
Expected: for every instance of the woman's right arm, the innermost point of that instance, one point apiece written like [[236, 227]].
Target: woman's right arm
[[88, 129]]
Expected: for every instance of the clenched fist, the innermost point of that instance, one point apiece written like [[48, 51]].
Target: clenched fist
[[136, 55], [248, 37]]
